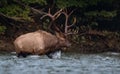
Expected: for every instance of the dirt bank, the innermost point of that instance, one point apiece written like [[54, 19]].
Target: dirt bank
[[6, 46], [89, 46]]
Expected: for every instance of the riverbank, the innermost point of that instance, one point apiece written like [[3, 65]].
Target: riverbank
[[108, 44], [6, 46]]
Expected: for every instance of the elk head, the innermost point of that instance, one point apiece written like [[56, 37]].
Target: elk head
[[62, 44], [63, 41]]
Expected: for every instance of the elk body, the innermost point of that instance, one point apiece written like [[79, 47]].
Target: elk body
[[39, 43]]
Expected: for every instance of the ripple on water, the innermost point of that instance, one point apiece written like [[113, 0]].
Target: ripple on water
[[68, 64]]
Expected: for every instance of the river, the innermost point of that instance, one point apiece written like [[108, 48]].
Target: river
[[69, 63]]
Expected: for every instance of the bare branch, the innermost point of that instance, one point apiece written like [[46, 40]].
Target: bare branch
[[12, 19], [80, 34], [37, 11]]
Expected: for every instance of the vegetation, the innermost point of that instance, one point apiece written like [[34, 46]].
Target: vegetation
[[87, 22]]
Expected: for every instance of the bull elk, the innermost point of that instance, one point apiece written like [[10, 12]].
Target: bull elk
[[39, 43]]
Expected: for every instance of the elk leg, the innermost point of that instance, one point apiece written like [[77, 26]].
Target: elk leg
[[23, 54]]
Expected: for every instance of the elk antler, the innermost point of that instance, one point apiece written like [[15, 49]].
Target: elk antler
[[74, 21], [53, 17], [67, 15]]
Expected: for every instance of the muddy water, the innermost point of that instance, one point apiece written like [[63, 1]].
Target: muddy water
[[70, 63]]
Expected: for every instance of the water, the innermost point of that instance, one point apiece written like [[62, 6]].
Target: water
[[70, 63]]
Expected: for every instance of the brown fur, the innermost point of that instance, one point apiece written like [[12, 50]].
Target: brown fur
[[39, 42]]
